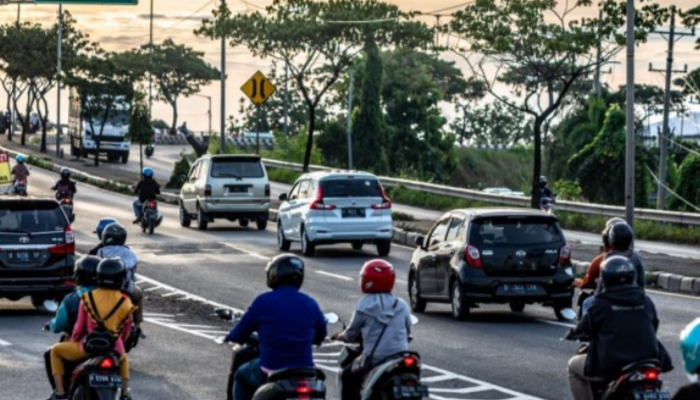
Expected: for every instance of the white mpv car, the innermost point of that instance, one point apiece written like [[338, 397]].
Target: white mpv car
[[335, 207]]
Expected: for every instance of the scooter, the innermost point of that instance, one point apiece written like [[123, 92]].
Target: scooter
[[66, 201], [21, 187], [285, 384], [150, 219], [637, 381], [149, 151]]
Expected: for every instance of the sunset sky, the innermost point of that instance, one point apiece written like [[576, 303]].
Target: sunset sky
[[124, 27]]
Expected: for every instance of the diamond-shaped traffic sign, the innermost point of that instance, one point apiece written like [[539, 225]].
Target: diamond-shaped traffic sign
[[258, 88]]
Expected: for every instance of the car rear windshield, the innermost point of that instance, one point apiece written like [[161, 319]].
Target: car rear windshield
[[229, 168], [351, 187], [515, 230], [31, 217]]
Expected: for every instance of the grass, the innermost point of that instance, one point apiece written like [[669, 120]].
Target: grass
[[283, 175]]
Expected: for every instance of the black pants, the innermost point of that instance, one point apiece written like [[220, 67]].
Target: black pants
[[350, 384]]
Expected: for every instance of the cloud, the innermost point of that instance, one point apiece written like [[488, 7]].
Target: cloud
[[155, 16]]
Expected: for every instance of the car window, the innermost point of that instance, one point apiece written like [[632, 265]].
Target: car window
[[31, 217], [236, 168], [294, 193], [437, 235], [355, 187], [453, 230], [506, 231], [304, 190], [194, 172]]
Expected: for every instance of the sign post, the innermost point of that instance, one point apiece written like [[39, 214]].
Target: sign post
[[5, 172], [258, 89]]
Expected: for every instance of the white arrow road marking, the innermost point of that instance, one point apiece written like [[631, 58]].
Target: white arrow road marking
[[4, 343]]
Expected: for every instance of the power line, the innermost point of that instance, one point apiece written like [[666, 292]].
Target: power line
[[187, 17], [449, 8], [668, 189], [370, 21]]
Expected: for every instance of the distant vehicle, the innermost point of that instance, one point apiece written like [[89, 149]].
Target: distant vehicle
[[114, 141], [234, 187], [38, 250], [501, 191], [335, 207], [474, 256], [263, 136]]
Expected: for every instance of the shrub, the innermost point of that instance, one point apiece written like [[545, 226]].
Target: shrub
[[180, 173]]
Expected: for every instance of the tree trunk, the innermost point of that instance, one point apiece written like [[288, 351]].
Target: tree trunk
[[310, 138], [10, 128], [537, 164], [140, 157], [28, 111], [44, 121], [102, 128], [173, 129]]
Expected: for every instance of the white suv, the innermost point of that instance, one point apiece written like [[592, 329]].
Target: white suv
[[335, 207]]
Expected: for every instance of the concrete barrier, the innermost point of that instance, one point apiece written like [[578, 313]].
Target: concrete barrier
[[687, 285]]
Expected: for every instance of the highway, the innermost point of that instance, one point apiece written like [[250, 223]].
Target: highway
[[498, 355]]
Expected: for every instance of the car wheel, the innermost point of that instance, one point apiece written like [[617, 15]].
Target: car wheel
[[417, 303], [357, 246], [384, 248], [460, 308], [282, 243], [517, 306], [262, 224], [185, 220], [243, 223], [202, 220], [307, 246]]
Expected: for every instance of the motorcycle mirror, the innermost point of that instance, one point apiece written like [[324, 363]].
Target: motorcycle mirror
[[331, 318], [414, 319], [50, 306], [219, 339], [568, 313], [225, 314]]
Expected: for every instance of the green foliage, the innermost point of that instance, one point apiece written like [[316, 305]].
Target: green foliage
[[568, 190], [370, 134], [159, 124], [293, 149], [333, 144], [283, 175], [688, 186], [600, 165], [140, 128], [180, 172], [478, 169], [491, 124]]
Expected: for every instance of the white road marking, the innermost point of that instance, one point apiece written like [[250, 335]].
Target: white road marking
[[248, 252], [345, 278], [4, 343], [401, 281], [147, 314], [557, 323]]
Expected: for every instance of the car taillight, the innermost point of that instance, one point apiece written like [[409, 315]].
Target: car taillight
[[318, 203], [65, 248], [107, 363], [385, 204], [69, 283], [472, 256], [207, 191], [565, 255], [267, 190], [410, 361]]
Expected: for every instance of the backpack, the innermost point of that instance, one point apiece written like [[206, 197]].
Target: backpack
[[101, 340]]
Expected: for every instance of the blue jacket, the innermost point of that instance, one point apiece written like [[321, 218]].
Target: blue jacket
[[288, 323], [67, 314]]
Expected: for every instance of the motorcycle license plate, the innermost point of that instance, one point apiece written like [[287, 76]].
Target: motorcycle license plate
[[410, 392], [104, 381], [652, 395]]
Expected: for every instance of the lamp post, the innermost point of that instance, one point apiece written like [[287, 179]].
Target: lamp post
[[208, 112]]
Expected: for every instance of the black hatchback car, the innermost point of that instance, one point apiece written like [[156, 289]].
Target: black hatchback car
[[503, 256], [37, 250]]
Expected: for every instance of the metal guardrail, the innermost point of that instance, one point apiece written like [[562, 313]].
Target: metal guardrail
[[683, 218]]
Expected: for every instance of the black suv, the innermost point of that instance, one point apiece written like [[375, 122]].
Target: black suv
[[477, 256], [37, 250]]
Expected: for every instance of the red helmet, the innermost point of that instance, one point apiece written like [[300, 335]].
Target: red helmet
[[377, 276]]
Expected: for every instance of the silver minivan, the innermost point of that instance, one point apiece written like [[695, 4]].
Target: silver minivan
[[335, 207], [234, 187]]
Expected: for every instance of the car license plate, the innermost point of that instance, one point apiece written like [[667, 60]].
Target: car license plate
[[105, 381], [652, 395], [237, 189], [353, 212], [520, 288], [410, 392], [23, 256]]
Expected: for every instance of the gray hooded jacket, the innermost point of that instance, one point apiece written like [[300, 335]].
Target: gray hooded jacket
[[372, 313]]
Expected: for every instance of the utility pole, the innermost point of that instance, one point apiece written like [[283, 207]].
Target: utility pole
[[222, 142], [352, 85], [663, 139], [286, 99], [150, 64], [59, 53], [599, 52], [629, 143]]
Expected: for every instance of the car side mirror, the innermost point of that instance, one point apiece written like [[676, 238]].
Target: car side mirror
[[283, 197], [420, 241]]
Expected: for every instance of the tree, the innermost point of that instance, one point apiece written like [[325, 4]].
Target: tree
[[540, 50], [317, 40], [492, 124], [180, 173], [600, 165], [140, 128], [688, 186]]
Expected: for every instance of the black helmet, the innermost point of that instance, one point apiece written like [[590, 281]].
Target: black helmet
[[114, 235], [85, 271], [111, 274], [620, 236], [618, 271], [65, 173], [608, 225], [285, 269]]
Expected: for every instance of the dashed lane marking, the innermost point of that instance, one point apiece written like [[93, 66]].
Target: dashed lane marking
[[248, 252], [342, 277]]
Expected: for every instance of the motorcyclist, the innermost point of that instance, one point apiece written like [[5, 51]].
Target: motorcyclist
[[621, 240], [65, 187], [114, 246], [85, 276], [20, 172], [147, 189], [381, 321], [95, 305], [288, 323], [590, 280], [545, 192], [690, 350], [620, 326], [101, 225]]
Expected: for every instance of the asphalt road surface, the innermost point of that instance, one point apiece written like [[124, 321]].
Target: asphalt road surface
[[498, 355]]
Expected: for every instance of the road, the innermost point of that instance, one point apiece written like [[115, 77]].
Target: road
[[498, 355]]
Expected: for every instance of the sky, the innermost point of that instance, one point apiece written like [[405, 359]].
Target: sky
[[124, 27]]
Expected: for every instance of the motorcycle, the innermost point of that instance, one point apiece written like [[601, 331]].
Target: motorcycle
[[150, 219], [21, 187], [66, 201], [637, 381], [547, 205], [149, 151], [285, 384]]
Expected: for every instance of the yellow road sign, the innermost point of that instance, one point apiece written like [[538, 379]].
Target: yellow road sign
[[5, 171], [258, 88]]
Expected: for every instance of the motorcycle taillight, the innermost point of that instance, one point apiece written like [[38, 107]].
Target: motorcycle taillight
[[151, 204]]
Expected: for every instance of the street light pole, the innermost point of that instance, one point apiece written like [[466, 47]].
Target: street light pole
[[629, 145], [349, 122], [150, 63], [286, 99], [59, 54], [222, 142]]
